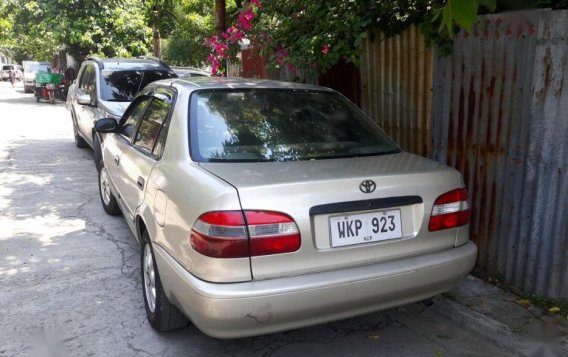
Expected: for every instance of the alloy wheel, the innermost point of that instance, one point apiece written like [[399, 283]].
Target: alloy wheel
[[149, 278], [105, 187]]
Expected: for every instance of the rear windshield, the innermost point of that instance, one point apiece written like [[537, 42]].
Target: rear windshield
[[280, 125], [122, 86], [37, 67], [7, 68]]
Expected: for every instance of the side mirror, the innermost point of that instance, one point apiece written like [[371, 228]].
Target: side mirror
[[106, 125], [84, 99]]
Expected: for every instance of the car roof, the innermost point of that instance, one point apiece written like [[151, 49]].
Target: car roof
[[115, 64], [195, 83], [178, 69]]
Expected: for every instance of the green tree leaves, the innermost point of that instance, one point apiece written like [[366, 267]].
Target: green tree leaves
[[195, 20], [109, 28], [461, 12], [318, 34]]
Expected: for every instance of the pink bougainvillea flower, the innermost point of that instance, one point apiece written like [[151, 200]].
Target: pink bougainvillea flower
[[325, 49], [220, 45], [235, 35], [215, 66], [245, 18], [246, 24], [249, 15], [220, 49]]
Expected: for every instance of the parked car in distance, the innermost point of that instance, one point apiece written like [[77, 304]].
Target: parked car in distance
[[104, 88], [31, 68], [184, 72], [264, 206], [7, 68]]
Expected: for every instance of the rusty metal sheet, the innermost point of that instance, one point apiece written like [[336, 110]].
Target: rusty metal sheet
[[500, 117], [396, 87]]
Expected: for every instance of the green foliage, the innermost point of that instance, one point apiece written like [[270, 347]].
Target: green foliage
[[460, 12], [194, 20], [107, 28], [318, 34], [161, 13]]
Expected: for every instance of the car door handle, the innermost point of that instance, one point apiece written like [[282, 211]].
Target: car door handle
[[140, 183], [117, 159]]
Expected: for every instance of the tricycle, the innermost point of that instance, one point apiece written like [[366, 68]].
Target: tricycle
[[46, 85]]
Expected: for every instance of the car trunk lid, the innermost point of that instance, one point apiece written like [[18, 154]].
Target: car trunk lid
[[325, 198]]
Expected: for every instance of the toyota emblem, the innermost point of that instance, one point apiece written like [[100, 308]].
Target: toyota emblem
[[367, 186]]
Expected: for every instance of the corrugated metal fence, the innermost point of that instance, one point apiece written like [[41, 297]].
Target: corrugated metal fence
[[499, 113], [396, 87]]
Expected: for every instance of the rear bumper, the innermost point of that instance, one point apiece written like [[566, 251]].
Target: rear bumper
[[258, 307]]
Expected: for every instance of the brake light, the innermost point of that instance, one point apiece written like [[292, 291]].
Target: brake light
[[239, 234], [450, 210]]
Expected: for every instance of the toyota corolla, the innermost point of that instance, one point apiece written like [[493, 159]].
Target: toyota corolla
[[264, 206]]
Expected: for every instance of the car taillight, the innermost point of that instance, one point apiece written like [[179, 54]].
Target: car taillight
[[450, 210], [225, 234]]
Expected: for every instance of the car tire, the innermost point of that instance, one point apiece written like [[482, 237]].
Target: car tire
[[97, 151], [162, 315], [79, 141], [27, 90], [107, 198]]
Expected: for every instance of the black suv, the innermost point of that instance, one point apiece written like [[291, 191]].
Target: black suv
[[104, 88]]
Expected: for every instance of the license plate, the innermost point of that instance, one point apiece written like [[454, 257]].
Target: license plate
[[365, 228], [50, 86]]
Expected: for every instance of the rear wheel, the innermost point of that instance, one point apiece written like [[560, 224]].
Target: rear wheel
[[107, 198], [79, 141], [163, 315]]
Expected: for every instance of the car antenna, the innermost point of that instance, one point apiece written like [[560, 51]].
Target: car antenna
[[140, 84]]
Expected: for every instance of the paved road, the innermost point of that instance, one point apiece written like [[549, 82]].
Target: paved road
[[70, 281]]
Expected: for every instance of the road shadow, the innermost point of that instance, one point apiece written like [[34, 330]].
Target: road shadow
[[30, 99], [71, 272]]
